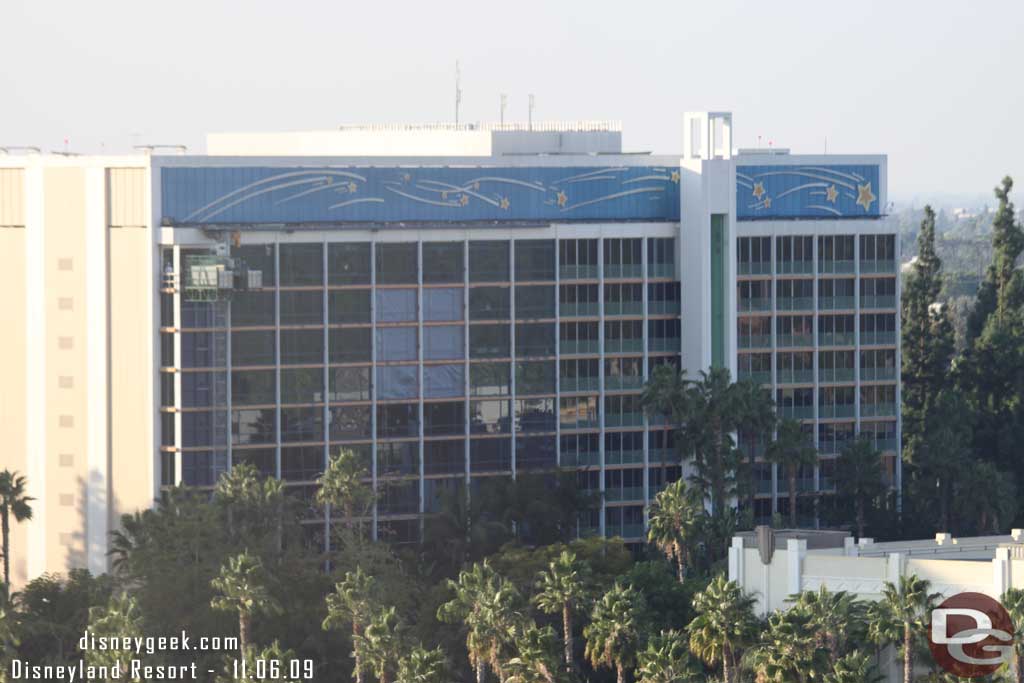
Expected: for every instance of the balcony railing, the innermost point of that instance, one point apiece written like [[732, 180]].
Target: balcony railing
[[621, 382], [836, 410], [878, 410], [585, 310], [877, 338], [663, 307], [755, 304], [580, 424], [877, 374], [878, 266], [585, 459], [625, 493], [761, 377], [794, 340], [754, 341], [883, 301], [790, 376], [835, 266], [835, 303], [588, 346], [886, 445], [661, 270], [623, 308], [836, 339], [620, 271], [797, 412], [798, 303], [625, 530], [663, 344], [569, 384], [794, 267], [577, 272], [754, 268], [835, 374], [624, 419], [623, 345], [623, 457]]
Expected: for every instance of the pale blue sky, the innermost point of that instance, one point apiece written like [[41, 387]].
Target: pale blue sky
[[936, 85]]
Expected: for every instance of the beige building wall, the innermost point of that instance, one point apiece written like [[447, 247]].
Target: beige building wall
[[75, 267]]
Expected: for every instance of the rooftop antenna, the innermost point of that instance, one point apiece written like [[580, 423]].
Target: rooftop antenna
[[504, 103], [530, 116], [458, 91]]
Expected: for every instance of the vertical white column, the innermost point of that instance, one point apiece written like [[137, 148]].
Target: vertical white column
[[327, 386], [512, 344], [373, 384], [277, 357], [177, 365], [600, 380], [796, 549]]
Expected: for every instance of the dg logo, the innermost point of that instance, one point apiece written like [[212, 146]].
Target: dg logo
[[971, 635]]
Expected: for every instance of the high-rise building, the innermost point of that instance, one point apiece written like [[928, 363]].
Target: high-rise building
[[451, 303]]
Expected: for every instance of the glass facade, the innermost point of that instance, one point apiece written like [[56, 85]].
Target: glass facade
[[441, 362], [818, 323]]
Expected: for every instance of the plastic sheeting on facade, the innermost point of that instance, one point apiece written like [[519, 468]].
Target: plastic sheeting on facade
[[444, 381], [396, 305]]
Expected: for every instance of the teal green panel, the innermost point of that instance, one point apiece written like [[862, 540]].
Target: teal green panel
[[718, 290]]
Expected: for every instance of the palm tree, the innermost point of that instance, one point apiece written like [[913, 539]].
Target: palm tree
[[859, 476], [8, 638], [242, 587], [423, 666], [855, 667], [562, 588], [724, 625], [119, 618], [380, 644], [674, 521], [13, 501], [351, 603], [1013, 601], [536, 660], [837, 619], [758, 419], [791, 450], [343, 485], [705, 412], [488, 605], [901, 615], [788, 650], [613, 635], [667, 660]]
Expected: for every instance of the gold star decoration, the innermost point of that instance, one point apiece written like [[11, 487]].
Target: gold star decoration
[[463, 200], [563, 199], [767, 202], [758, 190], [831, 194], [352, 187], [407, 177], [675, 177], [504, 203], [864, 196]]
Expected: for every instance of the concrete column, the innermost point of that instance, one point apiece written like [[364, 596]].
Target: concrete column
[[796, 549]]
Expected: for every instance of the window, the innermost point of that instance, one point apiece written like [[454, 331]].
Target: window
[[397, 458], [578, 412], [440, 494], [396, 343], [535, 415], [794, 330], [754, 255], [835, 253], [442, 304], [623, 448], [444, 457], [397, 381], [348, 263], [197, 349], [535, 260], [442, 262], [490, 455], [197, 314], [249, 309], [350, 423], [253, 426], [302, 385], [795, 367], [349, 384], [252, 348], [263, 459], [444, 381], [535, 302], [304, 463], [536, 453], [489, 341], [302, 347], [490, 379], [302, 265], [396, 305], [302, 424], [444, 419], [302, 307], [794, 295], [252, 387], [349, 345], [398, 420], [623, 258], [577, 259], [349, 306], [578, 300], [444, 342], [624, 372], [794, 254], [835, 330], [580, 374], [195, 389], [535, 340], [623, 410], [489, 417], [257, 257], [877, 253], [397, 263], [624, 335], [661, 256], [756, 367], [488, 261], [489, 303], [579, 450], [623, 299], [578, 337], [399, 497], [535, 377]]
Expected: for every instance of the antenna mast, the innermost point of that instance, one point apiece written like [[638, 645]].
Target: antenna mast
[[458, 90], [530, 118]]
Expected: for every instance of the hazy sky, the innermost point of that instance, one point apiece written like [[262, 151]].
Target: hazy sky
[[938, 86]]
